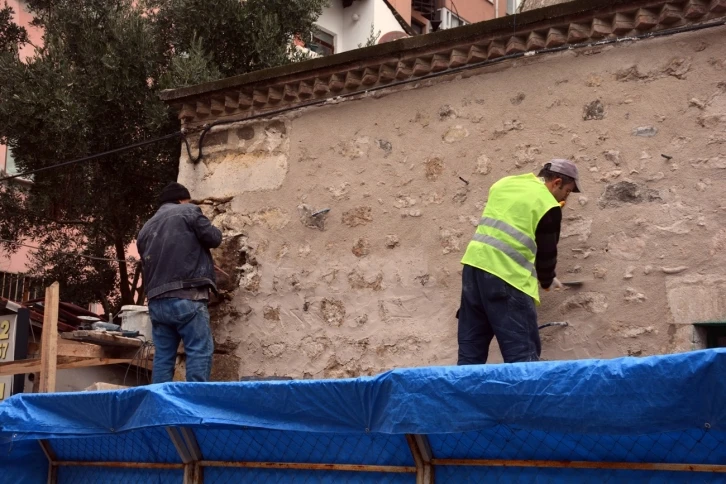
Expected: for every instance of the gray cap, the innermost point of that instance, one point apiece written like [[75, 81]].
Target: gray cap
[[567, 168]]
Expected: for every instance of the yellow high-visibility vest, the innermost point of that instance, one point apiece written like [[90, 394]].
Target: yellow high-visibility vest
[[504, 243]]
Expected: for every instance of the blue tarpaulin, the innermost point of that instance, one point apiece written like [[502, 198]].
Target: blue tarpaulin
[[662, 409]]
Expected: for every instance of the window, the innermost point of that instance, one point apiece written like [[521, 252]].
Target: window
[[9, 165], [511, 7], [449, 19], [417, 27], [322, 43], [19, 287]]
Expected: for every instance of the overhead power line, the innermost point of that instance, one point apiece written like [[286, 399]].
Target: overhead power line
[[93, 157]]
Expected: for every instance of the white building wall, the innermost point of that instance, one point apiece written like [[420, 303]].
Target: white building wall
[[332, 22], [357, 31], [349, 32], [385, 20]]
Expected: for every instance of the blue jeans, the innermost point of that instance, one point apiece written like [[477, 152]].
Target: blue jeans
[[491, 307], [175, 320]]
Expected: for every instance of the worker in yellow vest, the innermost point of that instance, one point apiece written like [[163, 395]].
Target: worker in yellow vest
[[513, 251]]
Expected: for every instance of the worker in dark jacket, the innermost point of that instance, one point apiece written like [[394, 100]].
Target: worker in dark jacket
[[513, 251], [178, 274]]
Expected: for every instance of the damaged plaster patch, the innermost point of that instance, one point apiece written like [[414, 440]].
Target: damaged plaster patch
[[624, 247], [592, 302], [240, 166], [623, 192]]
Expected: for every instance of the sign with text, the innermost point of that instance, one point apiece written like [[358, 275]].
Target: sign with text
[[8, 332]]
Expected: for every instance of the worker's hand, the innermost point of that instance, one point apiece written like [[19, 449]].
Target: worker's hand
[[557, 285]]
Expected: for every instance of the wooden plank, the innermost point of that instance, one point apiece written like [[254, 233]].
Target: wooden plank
[[62, 363], [179, 445], [52, 474], [101, 338], [50, 455], [49, 349], [310, 466], [126, 465], [417, 459], [47, 450], [631, 466], [193, 473], [86, 350], [421, 452]]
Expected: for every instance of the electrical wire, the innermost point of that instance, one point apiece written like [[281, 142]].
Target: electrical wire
[[93, 157], [130, 260], [142, 356]]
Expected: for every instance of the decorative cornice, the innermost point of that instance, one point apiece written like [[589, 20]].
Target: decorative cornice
[[356, 71]]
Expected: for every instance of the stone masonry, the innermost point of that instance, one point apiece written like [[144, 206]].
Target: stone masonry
[[344, 224]]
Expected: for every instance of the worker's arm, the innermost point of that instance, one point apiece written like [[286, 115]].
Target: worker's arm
[[209, 235], [547, 236]]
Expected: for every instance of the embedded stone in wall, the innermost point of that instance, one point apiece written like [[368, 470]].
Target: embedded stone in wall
[[483, 165], [354, 149], [525, 154], [624, 247], [716, 162], [594, 111], [678, 67], [271, 313], [386, 146], [314, 219], [361, 215], [314, 347], [274, 350], [696, 298], [461, 195], [450, 240], [714, 116], [718, 242], [514, 125], [446, 112], [434, 167], [577, 226], [362, 247], [360, 280], [392, 241], [613, 156], [645, 131], [517, 100], [592, 302], [333, 311], [630, 73], [631, 295], [340, 192], [404, 201], [455, 133]]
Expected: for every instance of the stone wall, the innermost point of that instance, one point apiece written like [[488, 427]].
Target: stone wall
[[344, 224]]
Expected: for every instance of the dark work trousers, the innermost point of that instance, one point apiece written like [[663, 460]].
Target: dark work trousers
[[491, 307]]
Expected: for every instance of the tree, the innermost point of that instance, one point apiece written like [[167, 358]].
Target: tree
[[92, 87]]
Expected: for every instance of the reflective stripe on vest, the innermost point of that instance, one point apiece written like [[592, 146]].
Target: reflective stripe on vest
[[520, 237], [508, 250]]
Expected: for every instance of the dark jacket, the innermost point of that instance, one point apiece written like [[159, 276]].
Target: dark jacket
[[174, 247], [547, 236]]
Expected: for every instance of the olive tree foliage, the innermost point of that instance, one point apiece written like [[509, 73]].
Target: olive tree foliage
[[93, 86]]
